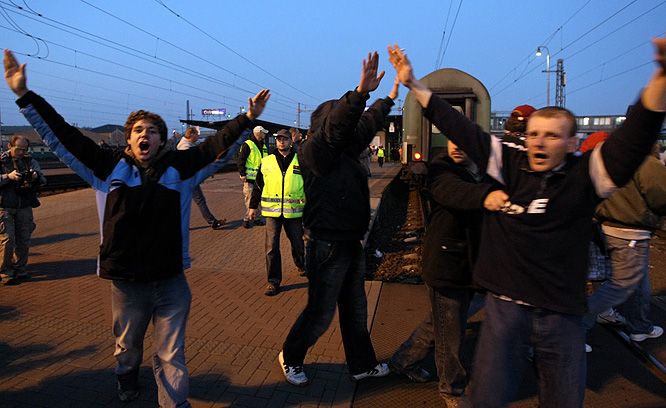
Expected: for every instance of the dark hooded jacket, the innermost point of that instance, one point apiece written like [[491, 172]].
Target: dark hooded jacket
[[336, 184]]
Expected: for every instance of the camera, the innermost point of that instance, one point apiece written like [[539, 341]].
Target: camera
[[25, 182]]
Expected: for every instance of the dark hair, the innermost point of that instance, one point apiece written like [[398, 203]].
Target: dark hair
[[555, 111], [153, 117], [15, 138]]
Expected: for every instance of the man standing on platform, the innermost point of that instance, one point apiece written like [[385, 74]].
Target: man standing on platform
[[533, 252], [249, 158], [380, 156], [188, 141], [20, 175], [336, 218], [144, 252], [280, 185]]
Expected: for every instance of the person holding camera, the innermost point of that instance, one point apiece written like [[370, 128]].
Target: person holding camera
[[20, 176]]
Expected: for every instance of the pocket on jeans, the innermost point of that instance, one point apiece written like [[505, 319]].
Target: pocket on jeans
[[322, 251]]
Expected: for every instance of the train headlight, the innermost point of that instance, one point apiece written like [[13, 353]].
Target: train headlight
[[417, 156]]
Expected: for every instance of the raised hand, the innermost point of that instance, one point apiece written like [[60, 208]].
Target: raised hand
[[369, 78], [257, 104], [14, 74], [400, 62]]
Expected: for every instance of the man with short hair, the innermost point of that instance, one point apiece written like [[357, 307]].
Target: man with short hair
[[533, 252], [146, 192], [20, 176], [249, 158], [457, 192], [296, 138], [188, 141], [279, 184]]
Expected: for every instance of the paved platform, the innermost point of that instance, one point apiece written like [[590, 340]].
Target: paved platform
[[56, 344], [55, 330]]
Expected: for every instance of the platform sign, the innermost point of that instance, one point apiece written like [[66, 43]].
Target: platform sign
[[218, 111]]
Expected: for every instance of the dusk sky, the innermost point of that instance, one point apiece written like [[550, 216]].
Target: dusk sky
[[96, 61]]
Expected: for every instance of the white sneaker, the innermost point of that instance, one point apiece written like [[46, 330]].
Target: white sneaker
[[293, 374], [656, 332], [380, 370], [611, 317], [588, 348]]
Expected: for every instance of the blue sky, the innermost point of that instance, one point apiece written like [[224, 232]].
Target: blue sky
[[99, 60]]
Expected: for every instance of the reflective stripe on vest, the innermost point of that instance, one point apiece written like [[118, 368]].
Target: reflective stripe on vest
[[254, 159], [282, 195]]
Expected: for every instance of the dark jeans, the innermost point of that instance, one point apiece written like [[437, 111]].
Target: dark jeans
[[293, 227], [380, 160], [336, 272], [558, 341], [443, 329], [200, 200]]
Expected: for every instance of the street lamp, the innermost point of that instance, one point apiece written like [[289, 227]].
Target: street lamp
[[547, 71]]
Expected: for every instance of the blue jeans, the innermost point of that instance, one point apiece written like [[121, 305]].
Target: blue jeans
[[293, 227], [629, 260], [446, 335], [558, 341], [200, 200], [167, 304], [336, 272]]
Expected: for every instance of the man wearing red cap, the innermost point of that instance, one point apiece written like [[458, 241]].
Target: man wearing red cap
[[514, 128]]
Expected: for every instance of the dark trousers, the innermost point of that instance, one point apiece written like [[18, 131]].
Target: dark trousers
[[509, 330], [336, 272], [380, 160], [443, 329], [293, 227], [200, 200]]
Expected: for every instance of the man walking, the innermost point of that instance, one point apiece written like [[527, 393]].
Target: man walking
[[20, 176], [336, 217], [249, 158], [280, 185], [188, 141]]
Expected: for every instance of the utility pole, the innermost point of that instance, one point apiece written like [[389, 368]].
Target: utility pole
[[560, 76], [298, 113]]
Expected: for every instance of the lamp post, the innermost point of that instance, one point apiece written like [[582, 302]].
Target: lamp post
[[547, 71]]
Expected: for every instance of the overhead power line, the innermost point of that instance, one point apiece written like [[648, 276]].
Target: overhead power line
[[160, 2]]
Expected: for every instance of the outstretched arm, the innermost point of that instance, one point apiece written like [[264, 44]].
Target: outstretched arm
[[14, 74]]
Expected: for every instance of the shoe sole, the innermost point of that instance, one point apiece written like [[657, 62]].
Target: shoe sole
[[281, 361]]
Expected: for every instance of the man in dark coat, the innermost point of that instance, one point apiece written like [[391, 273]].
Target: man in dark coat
[[458, 192]]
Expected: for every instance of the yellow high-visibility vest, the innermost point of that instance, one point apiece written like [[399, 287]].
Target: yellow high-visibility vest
[[254, 160], [283, 193]]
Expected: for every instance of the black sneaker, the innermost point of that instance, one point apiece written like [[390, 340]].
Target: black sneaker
[[272, 289], [127, 395], [128, 386], [218, 224], [9, 280], [247, 224], [416, 374]]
